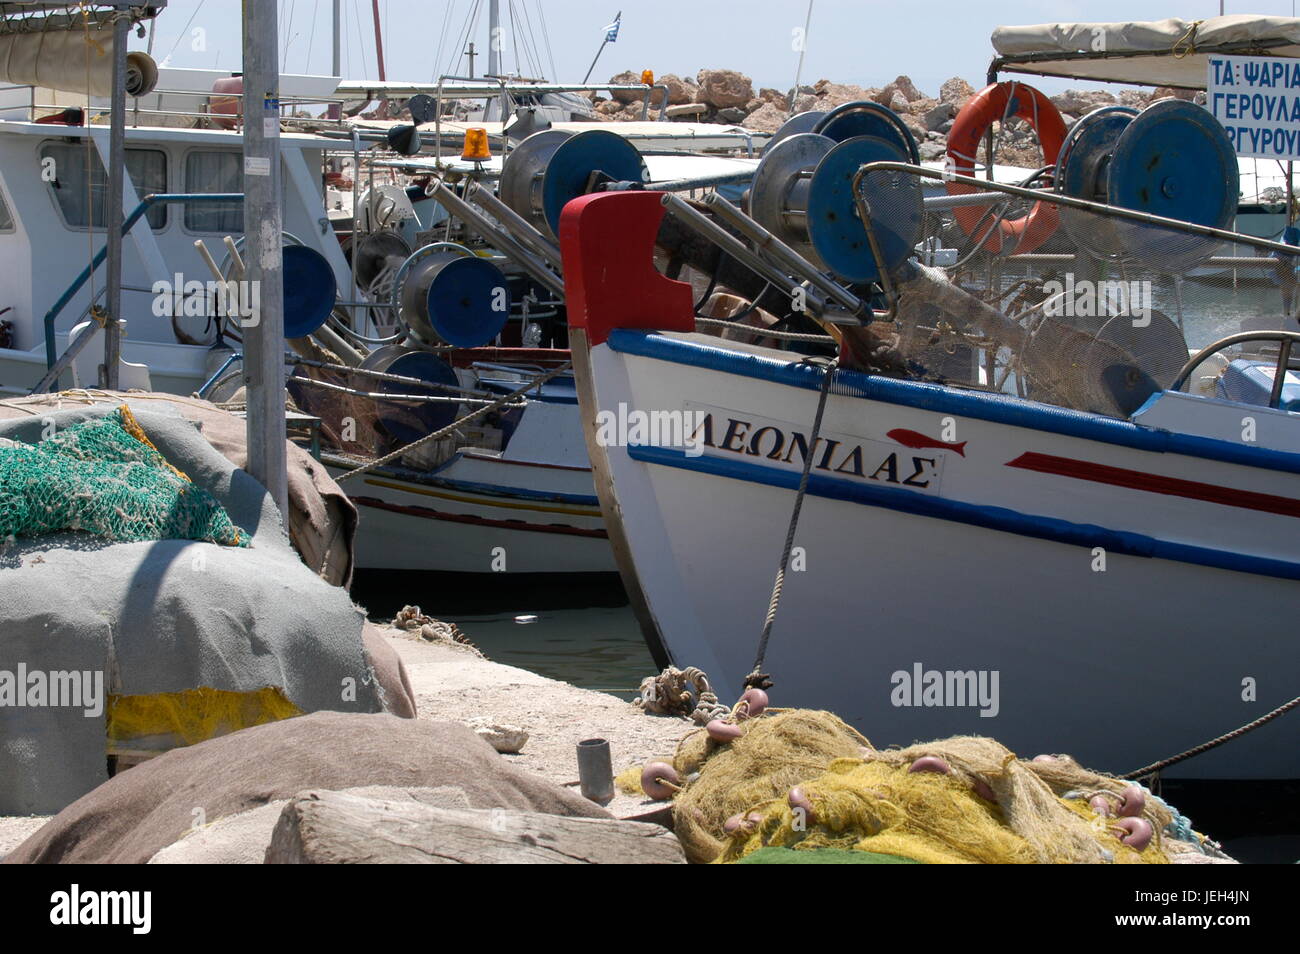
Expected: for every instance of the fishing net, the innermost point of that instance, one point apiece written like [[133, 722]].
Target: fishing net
[[167, 720], [866, 800], [104, 477], [1098, 317]]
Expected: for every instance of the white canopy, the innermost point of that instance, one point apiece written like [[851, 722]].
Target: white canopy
[[1169, 52]]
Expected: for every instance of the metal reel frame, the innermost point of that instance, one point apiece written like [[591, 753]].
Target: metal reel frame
[[869, 118], [784, 170], [855, 252]]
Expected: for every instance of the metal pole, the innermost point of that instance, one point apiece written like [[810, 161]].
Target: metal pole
[[379, 56], [494, 38], [798, 73], [116, 173], [336, 64], [264, 333], [593, 62]]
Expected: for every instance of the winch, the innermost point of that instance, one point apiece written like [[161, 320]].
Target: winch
[[407, 421], [445, 294], [551, 167], [802, 192], [1172, 159], [310, 288]]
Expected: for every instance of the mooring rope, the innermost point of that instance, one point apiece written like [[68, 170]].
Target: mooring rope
[[1155, 767], [535, 382], [757, 679]]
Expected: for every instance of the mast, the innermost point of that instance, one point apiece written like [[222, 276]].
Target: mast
[[336, 64], [338, 33], [379, 55], [379, 40], [494, 38]]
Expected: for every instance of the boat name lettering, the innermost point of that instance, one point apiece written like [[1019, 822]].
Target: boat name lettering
[[719, 432]]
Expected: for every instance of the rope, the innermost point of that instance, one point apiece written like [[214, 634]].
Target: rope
[[443, 432], [757, 678], [383, 396], [1185, 45], [1155, 767], [670, 693]]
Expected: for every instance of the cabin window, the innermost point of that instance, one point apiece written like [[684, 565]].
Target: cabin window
[[80, 184], [214, 172], [6, 218]]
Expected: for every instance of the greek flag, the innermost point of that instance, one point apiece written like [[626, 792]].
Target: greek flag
[[611, 31]]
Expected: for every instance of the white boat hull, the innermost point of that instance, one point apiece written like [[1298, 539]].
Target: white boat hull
[[965, 562], [1119, 666], [411, 521], [530, 508]]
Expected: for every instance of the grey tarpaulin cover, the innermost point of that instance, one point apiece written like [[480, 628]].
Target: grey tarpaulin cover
[[162, 616], [1169, 52]]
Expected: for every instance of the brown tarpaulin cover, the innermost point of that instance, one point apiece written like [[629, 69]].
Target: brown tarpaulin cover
[[134, 815]]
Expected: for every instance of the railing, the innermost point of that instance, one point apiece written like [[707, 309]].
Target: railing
[[55, 364]]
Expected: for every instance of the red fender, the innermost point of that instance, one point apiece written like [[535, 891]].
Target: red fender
[[990, 105]]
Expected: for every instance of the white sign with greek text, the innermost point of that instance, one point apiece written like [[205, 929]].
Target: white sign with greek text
[[1257, 99]]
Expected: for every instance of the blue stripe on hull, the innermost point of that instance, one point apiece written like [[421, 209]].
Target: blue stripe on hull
[[978, 515], [980, 405]]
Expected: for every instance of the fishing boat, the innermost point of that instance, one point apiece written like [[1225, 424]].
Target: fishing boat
[[1014, 501], [388, 342]]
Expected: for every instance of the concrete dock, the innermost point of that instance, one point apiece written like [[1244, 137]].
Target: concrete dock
[[453, 682]]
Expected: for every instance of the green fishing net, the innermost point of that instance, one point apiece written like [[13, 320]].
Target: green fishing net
[[103, 476]]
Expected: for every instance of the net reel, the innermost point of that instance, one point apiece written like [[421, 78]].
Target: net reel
[[553, 166], [868, 118], [444, 294], [310, 287], [1172, 159], [798, 123], [408, 421], [802, 192]]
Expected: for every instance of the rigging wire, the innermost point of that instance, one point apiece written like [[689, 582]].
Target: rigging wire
[[514, 39], [361, 42], [530, 42], [546, 36], [343, 44], [311, 37], [442, 35], [180, 36], [462, 38], [285, 32]]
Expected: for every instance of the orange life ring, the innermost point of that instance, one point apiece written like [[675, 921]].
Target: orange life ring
[[992, 104]]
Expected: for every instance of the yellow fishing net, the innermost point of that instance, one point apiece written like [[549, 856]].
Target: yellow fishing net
[[168, 720], [866, 799]]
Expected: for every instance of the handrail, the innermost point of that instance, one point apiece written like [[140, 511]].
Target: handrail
[[1287, 339], [1070, 202], [128, 223]]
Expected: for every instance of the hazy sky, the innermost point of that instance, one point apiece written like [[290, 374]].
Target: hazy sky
[[867, 42]]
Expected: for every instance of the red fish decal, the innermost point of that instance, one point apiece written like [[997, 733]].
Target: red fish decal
[[917, 441]]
